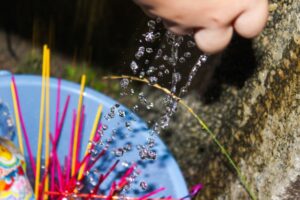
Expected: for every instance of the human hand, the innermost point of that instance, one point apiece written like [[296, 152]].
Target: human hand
[[211, 21]]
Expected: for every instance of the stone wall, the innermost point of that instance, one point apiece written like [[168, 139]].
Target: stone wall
[[257, 120]]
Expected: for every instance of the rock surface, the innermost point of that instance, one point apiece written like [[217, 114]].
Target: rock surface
[[255, 113]]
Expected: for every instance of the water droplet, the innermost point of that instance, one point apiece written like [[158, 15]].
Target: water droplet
[[203, 58], [183, 91], [152, 155], [118, 152], [127, 147], [151, 70], [191, 44], [140, 53], [142, 74], [125, 164], [167, 71], [179, 40], [134, 67], [127, 124], [149, 50], [157, 35], [135, 108], [149, 37], [146, 154], [172, 61], [151, 142], [176, 77], [104, 127], [147, 61], [158, 54], [109, 140], [79, 185], [165, 58], [151, 24], [124, 83], [143, 185], [182, 60], [142, 98], [131, 91], [143, 154], [150, 106], [153, 80], [187, 54], [158, 20]]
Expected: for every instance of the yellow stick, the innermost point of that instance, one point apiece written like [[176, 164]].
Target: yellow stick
[[40, 137], [83, 78], [47, 123], [92, 135], [20, 139]]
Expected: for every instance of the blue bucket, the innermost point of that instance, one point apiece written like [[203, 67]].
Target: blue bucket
[[164, 172]]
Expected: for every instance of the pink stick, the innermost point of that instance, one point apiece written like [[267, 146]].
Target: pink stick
[[151, 194], [97, 137], [61, 123], [57, 105], [112, 191], [96, 159], [86, 157], [59, 173], [71, 147], [70, 184], [56, 162], [32, 163], [102, 178], [123, 180], [65, 170], [56, 132], [58, 128]]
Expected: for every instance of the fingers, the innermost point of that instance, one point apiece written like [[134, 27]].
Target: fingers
[[251, 22], [214, 20], [147, 12], [213, 40]]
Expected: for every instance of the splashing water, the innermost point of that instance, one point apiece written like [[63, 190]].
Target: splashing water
[[169, 56], [156, 64]]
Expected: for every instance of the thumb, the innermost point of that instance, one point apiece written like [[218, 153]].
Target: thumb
[[252, 21], [213, 40]]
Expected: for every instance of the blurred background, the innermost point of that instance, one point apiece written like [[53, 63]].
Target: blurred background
[[93, 37], [98, 37]]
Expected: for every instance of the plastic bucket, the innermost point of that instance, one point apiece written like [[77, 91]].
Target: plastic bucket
[[164, 172]]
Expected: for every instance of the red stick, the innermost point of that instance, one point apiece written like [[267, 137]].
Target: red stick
[[56, 163], [32, 162], [123, 180], [56, 132], [64, 194], [71, 147], [61, 123], [96, 159], [97, 137], [145, 197], [102, 178]]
